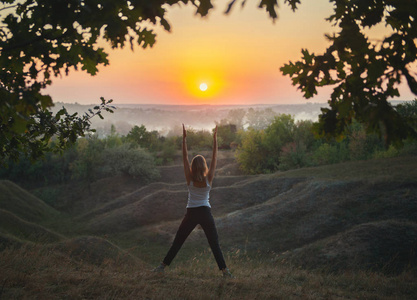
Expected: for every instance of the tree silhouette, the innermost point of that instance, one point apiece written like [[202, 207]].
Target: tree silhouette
[[364, 73]]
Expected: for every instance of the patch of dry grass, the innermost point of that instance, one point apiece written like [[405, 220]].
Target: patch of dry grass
[[34, 272]]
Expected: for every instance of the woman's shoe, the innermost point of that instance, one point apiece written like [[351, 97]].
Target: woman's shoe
[[159, 269], [227, 274]]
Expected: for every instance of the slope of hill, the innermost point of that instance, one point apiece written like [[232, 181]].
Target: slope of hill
[[388, 246], [94, 250], [280, 212], [24, 230], [283, 235], [23, 204], [9, 242], [283, 212], [168, 201]]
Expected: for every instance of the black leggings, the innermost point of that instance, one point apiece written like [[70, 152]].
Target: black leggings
[[197, 215]]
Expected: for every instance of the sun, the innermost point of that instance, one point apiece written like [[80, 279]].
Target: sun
[[203, 87]]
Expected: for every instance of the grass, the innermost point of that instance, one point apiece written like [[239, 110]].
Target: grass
[[400, 168], [23, 204], [19, 228], [318, 210], [35, 272]]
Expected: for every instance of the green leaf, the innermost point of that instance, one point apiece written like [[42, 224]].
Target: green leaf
[[165, 24], [293, 3], [46, 101], [307, 56], [146, 38], [204, 7], [19, 125], [270, 6], [289, 69]]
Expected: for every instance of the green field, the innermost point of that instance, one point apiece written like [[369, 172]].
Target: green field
[[344, 231]]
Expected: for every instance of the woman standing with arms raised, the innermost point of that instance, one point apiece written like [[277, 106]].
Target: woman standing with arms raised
[[199, 181]]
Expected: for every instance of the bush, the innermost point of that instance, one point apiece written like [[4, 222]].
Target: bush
[[293, 156], [303, 134], [408, 111], [410, 147], [260, 150], [51, 169], [331, 153], [140, 136], [199, 140], [390, 152], [362, 145], [86, 166], [169, 150], [251, 155], [126, 160], [226, 134]]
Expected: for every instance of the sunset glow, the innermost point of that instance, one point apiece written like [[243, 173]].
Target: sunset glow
[[237, 56]]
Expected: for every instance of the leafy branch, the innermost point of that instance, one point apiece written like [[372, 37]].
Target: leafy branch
[[364, 75]]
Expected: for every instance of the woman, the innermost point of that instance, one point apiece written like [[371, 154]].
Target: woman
[[199, 180]]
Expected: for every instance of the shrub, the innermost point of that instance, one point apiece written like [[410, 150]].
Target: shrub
[[169, 150], [135, 162], [410, 147], [226, 134], [251, 155], [390, 152], [330, 153], [293, 156], [199, 140], [85, 167], [362, 145], [261, 150]]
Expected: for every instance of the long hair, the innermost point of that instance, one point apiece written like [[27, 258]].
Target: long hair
[[199, 168]]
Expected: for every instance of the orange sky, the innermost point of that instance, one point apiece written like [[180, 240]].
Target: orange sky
[[238, 56]]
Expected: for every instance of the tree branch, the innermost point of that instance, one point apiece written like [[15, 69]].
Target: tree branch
[[41, 37], [8, 7]]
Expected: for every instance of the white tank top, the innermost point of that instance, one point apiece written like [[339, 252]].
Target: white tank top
[[198, 196]]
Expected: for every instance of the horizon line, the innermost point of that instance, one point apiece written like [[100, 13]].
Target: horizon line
[[200, 104], [209, 104]]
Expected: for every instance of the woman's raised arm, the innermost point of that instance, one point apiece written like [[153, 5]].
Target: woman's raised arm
[[212, 169], [187, 169]]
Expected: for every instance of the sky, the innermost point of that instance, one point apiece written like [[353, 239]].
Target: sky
[[236, 57]]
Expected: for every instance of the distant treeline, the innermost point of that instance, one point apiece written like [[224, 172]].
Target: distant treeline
[[285, 144], [265, 142]]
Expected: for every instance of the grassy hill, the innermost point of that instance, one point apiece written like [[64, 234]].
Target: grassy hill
[[282, 212], [387, 246], [24, 230], [23, 204], [338, 231], [93, 250]]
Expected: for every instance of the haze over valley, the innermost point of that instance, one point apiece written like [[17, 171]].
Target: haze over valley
[[165, 118]]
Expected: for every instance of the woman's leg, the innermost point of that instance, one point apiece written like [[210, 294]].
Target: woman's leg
[[186, 227], [209, 227]]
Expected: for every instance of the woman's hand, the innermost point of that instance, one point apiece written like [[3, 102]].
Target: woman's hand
[[187, 169], [212, 169], [184, 132]]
